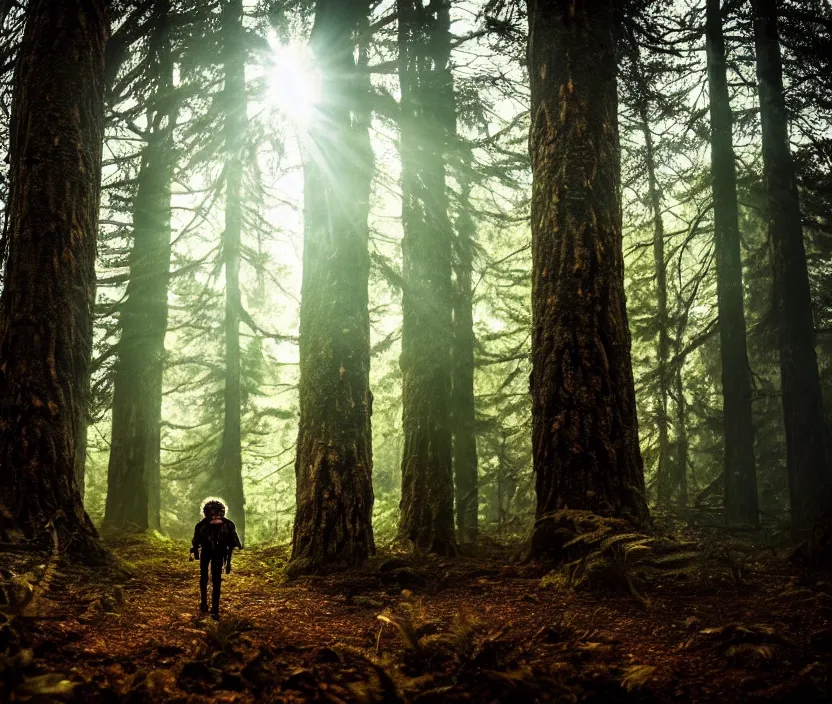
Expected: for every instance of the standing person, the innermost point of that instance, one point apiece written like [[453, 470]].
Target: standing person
[[217, 537]]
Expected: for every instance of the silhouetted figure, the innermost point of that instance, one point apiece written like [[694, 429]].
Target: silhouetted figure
[[215, 538]]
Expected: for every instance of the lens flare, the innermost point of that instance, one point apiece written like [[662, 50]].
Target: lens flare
[[294, 85]]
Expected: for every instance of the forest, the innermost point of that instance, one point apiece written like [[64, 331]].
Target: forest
[[460, 350]]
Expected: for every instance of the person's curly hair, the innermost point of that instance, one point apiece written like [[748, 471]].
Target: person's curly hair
[[213, 507]]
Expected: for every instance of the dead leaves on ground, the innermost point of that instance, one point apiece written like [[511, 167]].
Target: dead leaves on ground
[[464, 630], [756, 645]]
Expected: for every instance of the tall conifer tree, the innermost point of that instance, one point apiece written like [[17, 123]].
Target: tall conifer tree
[[463, 406], [427, 123], [333, 521], [807, 452], [133, 475], [585, 432], [739, 469], [227, 478], [49, 281]]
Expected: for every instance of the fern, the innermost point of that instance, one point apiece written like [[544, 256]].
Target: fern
[[409, 621], [224, 634], [637, 676], [614, 540]]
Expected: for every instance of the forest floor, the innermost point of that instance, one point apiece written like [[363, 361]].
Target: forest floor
[[745, 627]]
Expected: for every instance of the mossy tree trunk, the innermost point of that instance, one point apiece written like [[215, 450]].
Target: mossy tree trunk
[[584, 428], [427, 124], [333, 521], [133, 473], [738, 430], [56, 136], [227, 480], [463, 406], [807, 457]]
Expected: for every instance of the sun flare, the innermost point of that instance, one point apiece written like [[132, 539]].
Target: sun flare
[[294, 85]]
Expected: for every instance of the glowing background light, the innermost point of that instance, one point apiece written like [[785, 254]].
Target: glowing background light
[[293, 84]]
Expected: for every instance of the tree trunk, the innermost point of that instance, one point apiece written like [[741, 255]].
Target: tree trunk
[[333, 521], [427, 123], [49, 284], [664, 473], [666, 488], [228, 472], [133, 473], [584, 426], [80, 471], [680, 465], [740, 474], [501, 460], [463, 401], [807, 457]]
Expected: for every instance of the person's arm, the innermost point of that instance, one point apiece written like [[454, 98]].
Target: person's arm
[[233, 542], [195, 543]]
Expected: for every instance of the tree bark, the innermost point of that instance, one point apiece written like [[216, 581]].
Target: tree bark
[[807, 457], [584, 426], [133, 473], [427, 123], [463, 406], [740, 473], [228, 471], [333, 521], [49, 284], [80, 471]]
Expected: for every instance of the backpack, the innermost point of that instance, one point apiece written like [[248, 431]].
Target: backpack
[[215, 538]]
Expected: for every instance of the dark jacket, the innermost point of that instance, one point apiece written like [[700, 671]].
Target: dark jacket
[[215, 540]]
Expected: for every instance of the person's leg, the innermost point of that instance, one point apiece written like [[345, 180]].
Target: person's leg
[[216, 579], [204, 559]]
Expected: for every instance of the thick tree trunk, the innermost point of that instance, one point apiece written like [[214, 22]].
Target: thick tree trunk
[[427, 123], [133, 473], [49, 284], [333, 521], [228, 472], [807, 456], [740, 474], [463, 409], [584, 427]]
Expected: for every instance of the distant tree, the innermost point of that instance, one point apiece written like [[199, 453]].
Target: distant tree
[[49, 283], [427, 123], [585, 433], [740, 473], [807, 452], [227, 475], [463, 406], [333, 520], [668, 480], [133, 474]]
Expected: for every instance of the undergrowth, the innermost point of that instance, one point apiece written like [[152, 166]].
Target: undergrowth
[[607, 554]]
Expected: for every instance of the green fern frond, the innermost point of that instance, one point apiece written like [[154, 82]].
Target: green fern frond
[[623, 538], [637, 676]]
